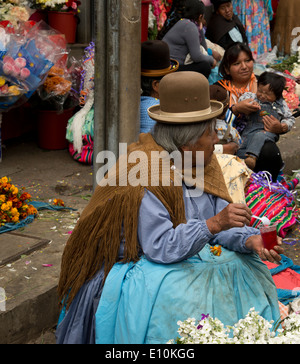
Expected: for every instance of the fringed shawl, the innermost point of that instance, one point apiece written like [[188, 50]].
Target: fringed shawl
[[112, 215]]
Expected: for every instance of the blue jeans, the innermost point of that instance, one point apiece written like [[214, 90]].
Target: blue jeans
[[254, 140]]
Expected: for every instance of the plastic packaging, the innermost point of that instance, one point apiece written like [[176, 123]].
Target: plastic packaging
[[26, 56]]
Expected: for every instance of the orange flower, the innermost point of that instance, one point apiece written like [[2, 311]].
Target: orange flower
[[25, 196], [13, 203], [216, 250], [58, 202]]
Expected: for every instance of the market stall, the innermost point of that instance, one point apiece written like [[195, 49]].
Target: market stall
[[34, 58]]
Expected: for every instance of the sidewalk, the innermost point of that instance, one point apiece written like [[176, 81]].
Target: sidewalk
[[30, 286], [30, 280]]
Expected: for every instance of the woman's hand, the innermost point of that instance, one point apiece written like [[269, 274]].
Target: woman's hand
[[273, 125], [214, 64], [233, 215], [246, 107], [217, 56], [230, 148], [255, 243]]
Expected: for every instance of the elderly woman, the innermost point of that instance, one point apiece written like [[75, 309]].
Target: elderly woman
[[152, 241], [238, 78]]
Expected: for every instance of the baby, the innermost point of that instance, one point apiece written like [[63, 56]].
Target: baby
[[272, 109], [229, 138]]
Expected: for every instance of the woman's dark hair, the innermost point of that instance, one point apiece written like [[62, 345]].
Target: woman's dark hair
[[276, 83], [193, 9], [231, 55], [146, 84]]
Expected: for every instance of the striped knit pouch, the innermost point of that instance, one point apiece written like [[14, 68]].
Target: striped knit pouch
[[276, 201], [86, 155]]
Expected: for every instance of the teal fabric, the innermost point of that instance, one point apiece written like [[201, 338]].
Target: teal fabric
[[141, 303], [29, 219], [285, 296]]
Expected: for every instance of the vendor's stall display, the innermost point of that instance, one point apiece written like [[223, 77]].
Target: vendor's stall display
[[15, 11], [252, 329], [62, 15], [157, 16], [27, 54], [60, 89], [14, 204], [80, 130], [26, 60], [17, 208], [57, 99]]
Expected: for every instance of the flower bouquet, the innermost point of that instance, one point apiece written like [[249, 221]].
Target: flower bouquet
[[59, 91], [14, 205], [289, 94], [58, 5], [253, 329], [291, 66], [25, 60], [15, 11], [158, 16]]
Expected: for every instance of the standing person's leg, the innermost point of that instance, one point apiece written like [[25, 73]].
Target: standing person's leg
[[269, 160]]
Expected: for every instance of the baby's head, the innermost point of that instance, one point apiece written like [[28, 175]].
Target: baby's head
[[270, 87]]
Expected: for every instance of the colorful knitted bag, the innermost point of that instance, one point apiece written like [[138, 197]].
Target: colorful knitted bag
[[86, 154], [276, 201]]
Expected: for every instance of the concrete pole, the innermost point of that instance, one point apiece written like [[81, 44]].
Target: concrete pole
[[117, 75], [130, 70], [100, 8], [113, 75]]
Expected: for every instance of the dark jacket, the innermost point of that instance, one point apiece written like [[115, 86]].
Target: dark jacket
[[218, 28]]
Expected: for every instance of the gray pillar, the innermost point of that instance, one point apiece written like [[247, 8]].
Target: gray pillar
[[100, 80], [113, 75], [130, 70], [117, 74]]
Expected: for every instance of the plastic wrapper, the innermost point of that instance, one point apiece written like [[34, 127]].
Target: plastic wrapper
[[87, 74], [60, 89], [27, 56]]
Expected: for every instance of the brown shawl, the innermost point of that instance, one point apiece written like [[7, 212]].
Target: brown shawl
[[112, 214]]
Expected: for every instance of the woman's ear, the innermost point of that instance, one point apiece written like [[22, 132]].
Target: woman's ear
[[155, 88]]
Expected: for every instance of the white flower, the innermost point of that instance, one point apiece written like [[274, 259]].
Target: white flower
[[252, 329]]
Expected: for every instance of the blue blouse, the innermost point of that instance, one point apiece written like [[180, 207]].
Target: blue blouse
[[146, 123]]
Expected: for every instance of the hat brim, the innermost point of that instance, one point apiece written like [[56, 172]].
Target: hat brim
[[162, 72], [155, 113]]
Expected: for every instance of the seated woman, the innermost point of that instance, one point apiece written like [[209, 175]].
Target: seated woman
[[155, 63], [141, 256], [183, 39], [224, 27], [236, 69]]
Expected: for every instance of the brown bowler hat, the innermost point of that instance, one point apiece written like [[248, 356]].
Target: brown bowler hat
[[156, 60], [184, 98]]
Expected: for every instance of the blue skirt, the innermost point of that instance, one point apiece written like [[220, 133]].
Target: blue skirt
[[141, 303]]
